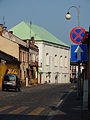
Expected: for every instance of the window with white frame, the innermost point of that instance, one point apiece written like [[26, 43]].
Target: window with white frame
[[66, 62], [61, 61], [55, 60], [47, 59]]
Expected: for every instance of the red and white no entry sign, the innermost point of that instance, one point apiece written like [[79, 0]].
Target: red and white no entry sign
[[78, 35]]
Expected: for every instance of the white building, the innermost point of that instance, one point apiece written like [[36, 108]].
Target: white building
[[54, 63], [54, 55]]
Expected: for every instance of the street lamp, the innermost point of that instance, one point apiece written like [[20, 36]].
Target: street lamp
[[68, 15]]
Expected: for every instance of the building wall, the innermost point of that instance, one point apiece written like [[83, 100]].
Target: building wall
[[88, 64], [12, 69], [3, 68], [58, 63], [9, 47]]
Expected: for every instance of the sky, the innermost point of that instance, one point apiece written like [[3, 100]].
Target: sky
[[49, 14]]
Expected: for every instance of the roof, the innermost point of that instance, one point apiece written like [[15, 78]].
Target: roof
[[22, 30], [8, 57]]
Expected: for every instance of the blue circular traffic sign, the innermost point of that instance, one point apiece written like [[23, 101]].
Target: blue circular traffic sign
[[78, 35]]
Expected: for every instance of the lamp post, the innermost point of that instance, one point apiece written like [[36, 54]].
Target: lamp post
[[68, 15], [79, 91]]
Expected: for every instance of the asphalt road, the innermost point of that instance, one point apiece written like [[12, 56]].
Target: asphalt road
[[33, 103]]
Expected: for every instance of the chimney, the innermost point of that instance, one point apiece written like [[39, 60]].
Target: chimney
[[1, 29], [27, 43], [4, 28], [11, 32]]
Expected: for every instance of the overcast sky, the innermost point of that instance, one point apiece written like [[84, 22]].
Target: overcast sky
[[49, 14]]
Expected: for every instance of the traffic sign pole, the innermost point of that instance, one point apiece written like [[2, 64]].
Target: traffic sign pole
[[79, 79], [79, 55], [78, 35]]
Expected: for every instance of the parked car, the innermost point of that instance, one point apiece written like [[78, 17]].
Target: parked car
[[11, 81]]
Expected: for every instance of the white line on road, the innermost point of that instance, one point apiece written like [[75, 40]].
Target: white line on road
[[4, 108], [18, 110], [60, 104], [36, 111]]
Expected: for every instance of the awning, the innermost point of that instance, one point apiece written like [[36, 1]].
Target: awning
[[8, 58]]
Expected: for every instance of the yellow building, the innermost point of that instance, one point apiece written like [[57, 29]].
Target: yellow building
[[8, 64]]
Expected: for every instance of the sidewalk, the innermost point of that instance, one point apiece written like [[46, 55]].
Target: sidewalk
[[71, 109]]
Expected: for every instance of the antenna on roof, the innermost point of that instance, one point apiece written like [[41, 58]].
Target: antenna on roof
[[30, 29], [3, 20]]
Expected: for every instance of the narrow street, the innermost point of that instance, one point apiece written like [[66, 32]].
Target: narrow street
[[33, 103]]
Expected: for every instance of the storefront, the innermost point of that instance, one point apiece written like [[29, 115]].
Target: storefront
[[8, 64]]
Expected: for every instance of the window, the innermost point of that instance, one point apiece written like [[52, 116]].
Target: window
[[21, 56], [47, 59], [27, 56], [37, 58], [61, 61], [66, 61], [55, 60], [33, 57]]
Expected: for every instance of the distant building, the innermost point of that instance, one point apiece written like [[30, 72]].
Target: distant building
[[54, 55]]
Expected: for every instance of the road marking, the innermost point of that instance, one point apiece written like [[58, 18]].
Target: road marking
[[4, 108], [59, 103], [18, 110], [36, 111]]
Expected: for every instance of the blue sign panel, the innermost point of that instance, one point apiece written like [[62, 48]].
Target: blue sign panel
[[79, 53]]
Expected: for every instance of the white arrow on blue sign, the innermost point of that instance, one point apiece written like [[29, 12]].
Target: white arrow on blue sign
[[79, 53]]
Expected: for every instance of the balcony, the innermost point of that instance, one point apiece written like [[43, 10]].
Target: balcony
[[33, 63]]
